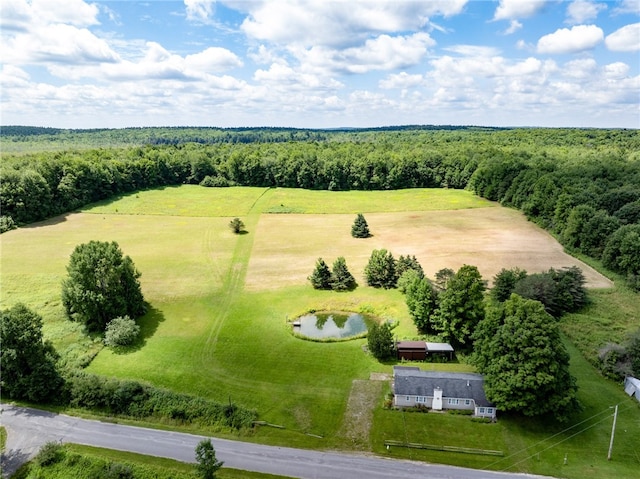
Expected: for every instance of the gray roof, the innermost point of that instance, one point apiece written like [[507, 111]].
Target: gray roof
[[439, 347], [411, 381]]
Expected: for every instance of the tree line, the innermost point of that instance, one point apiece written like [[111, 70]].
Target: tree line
[[582, 185]]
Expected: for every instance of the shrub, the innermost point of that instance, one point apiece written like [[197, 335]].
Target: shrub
[[7, 224], [121, 331], [50, 453]]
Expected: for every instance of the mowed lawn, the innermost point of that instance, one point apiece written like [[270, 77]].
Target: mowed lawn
[[220, 302]]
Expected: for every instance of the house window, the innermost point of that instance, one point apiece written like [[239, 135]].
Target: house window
[[452, 401], [467, 402], [489, 410], [421, 399], [480, 410], [407, 398]]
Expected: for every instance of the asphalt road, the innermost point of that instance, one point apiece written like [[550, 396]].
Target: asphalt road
[[28, 429]]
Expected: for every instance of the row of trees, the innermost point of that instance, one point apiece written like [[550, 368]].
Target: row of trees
[[592, 204], [582, 185], [339, 278]]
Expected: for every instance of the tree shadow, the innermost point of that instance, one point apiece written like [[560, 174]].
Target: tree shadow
[[148, 326], [12, 460], [48, 222]]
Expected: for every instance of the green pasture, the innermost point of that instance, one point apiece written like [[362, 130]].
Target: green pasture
[[217, 327], [194, 200]]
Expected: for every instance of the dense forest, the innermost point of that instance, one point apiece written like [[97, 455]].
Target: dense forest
[[583, 185]]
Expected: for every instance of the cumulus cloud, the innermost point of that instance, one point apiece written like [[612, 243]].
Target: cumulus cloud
[[400, 80], [283, 76], [200, 10], [576, 39], [337, 24], [581, 11], [514, 26], [513, 9], [381, 53], [213, 59], [58, 43], [625, 39], [628, 6]]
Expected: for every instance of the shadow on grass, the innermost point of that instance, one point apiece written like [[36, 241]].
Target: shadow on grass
[[148, 327]]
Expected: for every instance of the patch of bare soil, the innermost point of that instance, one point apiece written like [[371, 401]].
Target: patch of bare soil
[[287, 246], [358, 417]]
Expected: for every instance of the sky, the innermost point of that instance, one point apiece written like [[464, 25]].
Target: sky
[[320, 63]]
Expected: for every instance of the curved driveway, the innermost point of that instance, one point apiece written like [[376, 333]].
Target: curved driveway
[[28, 429]]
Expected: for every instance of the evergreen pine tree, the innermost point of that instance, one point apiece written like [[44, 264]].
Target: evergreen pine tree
[[321, 276], [360, 228], [341, 278]]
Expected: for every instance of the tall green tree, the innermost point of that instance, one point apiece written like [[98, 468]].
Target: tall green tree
[[102, 284], [207, 463], [380, 341], [28, 362], [422, 302], [519, 351], [406, 263], [341, 278], [360, 228], [504, 282], [460, 307], [321, 276], [380, 271]]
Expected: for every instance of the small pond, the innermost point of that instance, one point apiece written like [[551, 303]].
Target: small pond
[[331, 324]]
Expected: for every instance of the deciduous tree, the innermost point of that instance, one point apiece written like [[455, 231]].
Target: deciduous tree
[[505, 282], [519, 350], [422, 302], [102, 284], [28, 362], [380, 341], [460, 307]]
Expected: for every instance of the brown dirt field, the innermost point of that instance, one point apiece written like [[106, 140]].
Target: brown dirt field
[[286, 246]]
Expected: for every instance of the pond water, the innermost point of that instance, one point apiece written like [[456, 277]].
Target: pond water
[[331, 324]]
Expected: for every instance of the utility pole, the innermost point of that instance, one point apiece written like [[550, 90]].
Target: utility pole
[[613, 430]]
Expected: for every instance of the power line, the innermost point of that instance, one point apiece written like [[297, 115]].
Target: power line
[[551, 437]]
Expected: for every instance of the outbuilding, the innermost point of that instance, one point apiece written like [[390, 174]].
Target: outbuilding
[[412, 350]]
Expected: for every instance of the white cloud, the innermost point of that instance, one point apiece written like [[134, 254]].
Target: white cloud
[[581, 11], [23, 14], [285, 77], [213, 59], [400, 80], [514, 26], [200, 10], [577, 39], [628, 6], [57, 43], [512, 9], [337, 23], [625, 39], [381, 53]]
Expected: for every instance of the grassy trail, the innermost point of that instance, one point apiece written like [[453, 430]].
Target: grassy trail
[[232, 287]]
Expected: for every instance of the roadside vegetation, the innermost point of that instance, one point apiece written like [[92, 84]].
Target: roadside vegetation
[[216, 328], [84, 462]]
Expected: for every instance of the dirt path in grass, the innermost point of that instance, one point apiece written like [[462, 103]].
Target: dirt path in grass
[[358, 416]]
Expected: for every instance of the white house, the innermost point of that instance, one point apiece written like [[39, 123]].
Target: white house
[[439, 390]]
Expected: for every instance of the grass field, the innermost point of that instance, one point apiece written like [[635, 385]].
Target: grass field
[[220, 303]]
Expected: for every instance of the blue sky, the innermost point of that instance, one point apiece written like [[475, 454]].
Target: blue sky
[[320, 63]]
